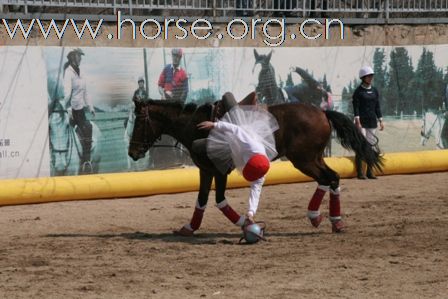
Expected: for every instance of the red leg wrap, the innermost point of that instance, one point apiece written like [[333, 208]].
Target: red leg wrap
[[316, 200], [335, 205], [230, 214], [196, 220]]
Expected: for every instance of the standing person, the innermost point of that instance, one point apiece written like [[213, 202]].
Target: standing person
[[173, 81], [366, 107], [140, 94], [76, 96], [244, 139]]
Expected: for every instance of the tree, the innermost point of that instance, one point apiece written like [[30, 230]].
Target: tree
[[428, 83], [289, 82], [346, 97], [399, 91], [325, 84], [380, 69]]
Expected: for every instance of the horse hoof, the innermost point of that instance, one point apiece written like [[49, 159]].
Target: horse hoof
[[316, 221], [337, 227], [185, 232]]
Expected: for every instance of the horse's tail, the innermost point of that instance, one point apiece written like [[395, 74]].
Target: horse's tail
[[351, 138]]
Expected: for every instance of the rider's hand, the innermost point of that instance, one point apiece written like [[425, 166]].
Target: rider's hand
[[169, 93], [381, 125], [292, 69], [92, 110], [358, 123], [207, 125]]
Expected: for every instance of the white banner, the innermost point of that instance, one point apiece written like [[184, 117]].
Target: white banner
[[23, 113]]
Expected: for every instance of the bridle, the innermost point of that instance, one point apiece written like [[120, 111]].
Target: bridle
[[70, 140], [148, 124]]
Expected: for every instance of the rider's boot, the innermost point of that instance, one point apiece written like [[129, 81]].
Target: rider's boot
[[359, 173], [370, 174], [86, 150]]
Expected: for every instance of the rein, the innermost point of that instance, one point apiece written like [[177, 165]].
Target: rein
[[428, 134]]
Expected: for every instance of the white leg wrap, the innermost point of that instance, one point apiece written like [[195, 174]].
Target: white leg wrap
[[241, 221], [324, 188], [313, 214], [336, 192], [188, 226], [335, 219], [222, 204], [199, 207]]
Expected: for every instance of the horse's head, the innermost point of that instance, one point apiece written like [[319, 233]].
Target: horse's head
[[59, 130], [264, 60], [152, 119]]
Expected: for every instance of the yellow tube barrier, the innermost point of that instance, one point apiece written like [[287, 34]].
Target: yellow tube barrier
[[116, 185]]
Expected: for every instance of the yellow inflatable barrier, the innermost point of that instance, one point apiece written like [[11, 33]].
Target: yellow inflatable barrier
[[29, 191]]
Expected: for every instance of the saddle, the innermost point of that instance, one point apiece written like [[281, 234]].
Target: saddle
[[219, 109]]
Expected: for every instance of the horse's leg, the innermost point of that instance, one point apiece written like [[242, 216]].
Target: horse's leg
[[328, 180], [201, 203], [223, 205]]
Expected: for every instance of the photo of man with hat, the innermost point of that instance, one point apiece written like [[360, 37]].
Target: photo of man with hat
[[173, 81], [77, 97]]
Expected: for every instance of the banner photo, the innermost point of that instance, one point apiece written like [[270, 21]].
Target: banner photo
[[70, 111]]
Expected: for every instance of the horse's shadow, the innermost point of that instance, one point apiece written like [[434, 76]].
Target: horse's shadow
[[198, 239]]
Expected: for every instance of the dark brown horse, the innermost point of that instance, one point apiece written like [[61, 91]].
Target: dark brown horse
[[304, 131]]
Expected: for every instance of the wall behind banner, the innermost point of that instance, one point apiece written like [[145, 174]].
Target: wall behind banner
[[36, 138]]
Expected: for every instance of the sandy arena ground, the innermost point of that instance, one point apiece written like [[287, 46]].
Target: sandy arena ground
[[396, 246]]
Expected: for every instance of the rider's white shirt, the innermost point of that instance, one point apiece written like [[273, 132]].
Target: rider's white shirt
[[247, 147], [75, 89]]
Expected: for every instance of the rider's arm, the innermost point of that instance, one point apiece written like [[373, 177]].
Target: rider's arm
[[356, 104], [378, 113], [226, 127], [254, 197]]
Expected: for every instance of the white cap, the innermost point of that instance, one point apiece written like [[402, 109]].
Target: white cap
[[365, 70]]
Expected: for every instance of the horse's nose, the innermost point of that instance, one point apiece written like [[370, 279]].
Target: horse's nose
[[135, 156]]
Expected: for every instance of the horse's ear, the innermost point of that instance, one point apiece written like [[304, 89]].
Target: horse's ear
[[269, 55], [257, 56]]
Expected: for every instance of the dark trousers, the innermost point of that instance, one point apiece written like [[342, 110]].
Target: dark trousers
[[200, 145], [85, 129]]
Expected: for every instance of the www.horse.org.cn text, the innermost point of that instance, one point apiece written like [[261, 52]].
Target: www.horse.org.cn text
[[274, 31]]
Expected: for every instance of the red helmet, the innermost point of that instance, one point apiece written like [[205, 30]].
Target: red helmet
[[256, 167]]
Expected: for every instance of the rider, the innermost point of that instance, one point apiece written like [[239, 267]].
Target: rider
[[366, 107], [173, 81], [244, 139], [76, 95]]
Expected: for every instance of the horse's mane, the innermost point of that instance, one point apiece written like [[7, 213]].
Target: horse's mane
[[180, 106]]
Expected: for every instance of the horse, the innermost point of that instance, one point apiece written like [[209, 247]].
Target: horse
[[304, 131], [65, 145], [142, 164], [309, 91], [434, 124]]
